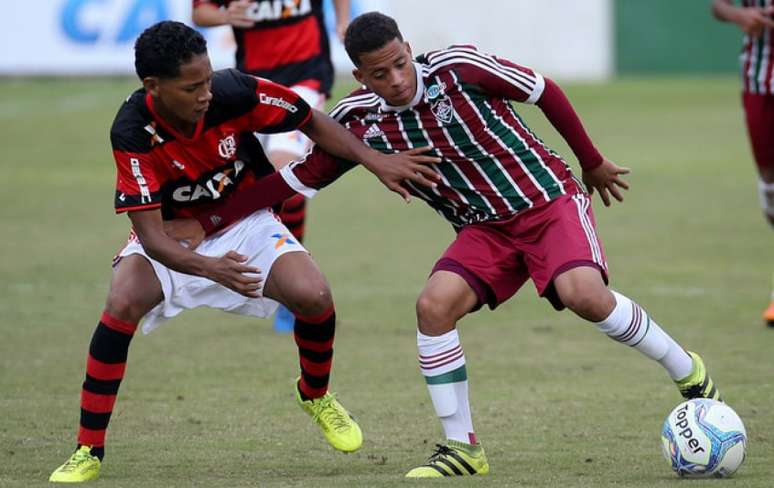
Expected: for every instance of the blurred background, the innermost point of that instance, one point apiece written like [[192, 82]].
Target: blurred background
[[568, 39]]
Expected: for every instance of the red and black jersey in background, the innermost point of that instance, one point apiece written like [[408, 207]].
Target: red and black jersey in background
[[288, 43], [157, 167]]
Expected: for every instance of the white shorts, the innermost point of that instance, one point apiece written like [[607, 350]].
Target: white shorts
[[294, 142], [260, 236]]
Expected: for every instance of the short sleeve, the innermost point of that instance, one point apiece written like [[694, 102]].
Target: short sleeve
[[137, 187], [278, 109]]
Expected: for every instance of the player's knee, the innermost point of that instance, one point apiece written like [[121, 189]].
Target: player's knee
[[434, 315], [123, 306], [589, 303], [315, 299]]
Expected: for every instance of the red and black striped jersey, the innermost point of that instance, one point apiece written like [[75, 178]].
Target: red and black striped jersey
[[493, 166], [288, 43], [157, 167]]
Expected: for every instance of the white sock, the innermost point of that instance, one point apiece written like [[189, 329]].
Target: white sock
[[629, 324], [442, 363]]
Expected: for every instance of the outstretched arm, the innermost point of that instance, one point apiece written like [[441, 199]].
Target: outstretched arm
[[391, 169], [752, 20], [599, 173]]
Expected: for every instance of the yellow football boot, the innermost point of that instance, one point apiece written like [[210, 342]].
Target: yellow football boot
[[81, 466], [338, 426], [453, 459], [698, 384]]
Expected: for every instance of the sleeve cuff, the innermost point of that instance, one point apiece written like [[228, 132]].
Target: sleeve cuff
[[293, 182], [540, 85]]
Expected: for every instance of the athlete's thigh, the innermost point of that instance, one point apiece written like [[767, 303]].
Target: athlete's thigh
[[295, 279], [561, 236], [134, 288], [759, 115], [484, 256]]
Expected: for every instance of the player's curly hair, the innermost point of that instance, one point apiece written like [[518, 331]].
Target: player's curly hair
[[163, 47], [369, 32]]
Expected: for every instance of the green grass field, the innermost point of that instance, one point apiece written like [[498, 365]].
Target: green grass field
[[207, 399]]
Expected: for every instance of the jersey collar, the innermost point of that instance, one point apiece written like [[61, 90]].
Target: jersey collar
[[417, 96], [178, 135]]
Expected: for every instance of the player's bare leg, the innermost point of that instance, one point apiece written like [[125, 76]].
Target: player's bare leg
[[446, 298], [134, 291], [766, 189], [293, 215], [297, 282], [583, 291]]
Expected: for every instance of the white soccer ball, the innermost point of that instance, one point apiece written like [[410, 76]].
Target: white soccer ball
[[704, 438]]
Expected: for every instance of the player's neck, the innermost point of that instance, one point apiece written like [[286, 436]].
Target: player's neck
[[183, 127]]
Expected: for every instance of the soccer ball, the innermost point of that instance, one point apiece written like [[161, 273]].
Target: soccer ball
[[704, 438]]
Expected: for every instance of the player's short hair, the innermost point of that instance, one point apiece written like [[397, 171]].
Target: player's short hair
[[369, 32], [163, 47]]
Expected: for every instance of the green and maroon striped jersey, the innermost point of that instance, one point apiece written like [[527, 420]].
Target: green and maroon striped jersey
[[493, 165], [757, 58]]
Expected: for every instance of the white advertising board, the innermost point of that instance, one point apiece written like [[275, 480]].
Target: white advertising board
[[564, 38]]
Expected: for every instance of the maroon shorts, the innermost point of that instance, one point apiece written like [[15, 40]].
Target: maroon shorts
[[496, 258], [759, 113]]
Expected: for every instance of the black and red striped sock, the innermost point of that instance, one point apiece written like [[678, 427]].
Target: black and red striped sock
[[314, 337], [293, 215], [105, 367]]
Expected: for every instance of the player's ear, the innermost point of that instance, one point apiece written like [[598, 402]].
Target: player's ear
[[408, 48], [151, 85], [358, 76]]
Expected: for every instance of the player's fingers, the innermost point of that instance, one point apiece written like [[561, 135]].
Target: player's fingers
[[418, 150], [616, 193], [622, 183], [235, 256], [426, 159], [623, 171], [428, 173], [604, 196], [420, 179], [402, 192]]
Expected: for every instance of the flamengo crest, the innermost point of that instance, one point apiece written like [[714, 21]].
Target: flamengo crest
[[227, 147]]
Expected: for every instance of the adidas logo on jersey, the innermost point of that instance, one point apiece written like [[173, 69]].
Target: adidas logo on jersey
[[372, 132]]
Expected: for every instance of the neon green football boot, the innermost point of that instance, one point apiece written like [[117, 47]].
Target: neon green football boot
[[453, 459], [338, 426], [81, 466], [698, 384]]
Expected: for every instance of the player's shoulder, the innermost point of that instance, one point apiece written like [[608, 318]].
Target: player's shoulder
[[130, 129], [357, 104], [232, 87], [454, 55]]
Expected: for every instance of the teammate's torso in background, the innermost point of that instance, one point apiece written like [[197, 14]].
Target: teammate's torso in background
[[757, 58], [288, 44]]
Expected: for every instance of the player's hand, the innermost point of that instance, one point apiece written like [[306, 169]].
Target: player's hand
[[230, 271], [236, 14], [188, 230], [341, 29], [606, 179], [393, 170], [753, 20]]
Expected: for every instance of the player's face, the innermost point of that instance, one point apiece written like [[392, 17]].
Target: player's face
[[183, 100], [389, 73]]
